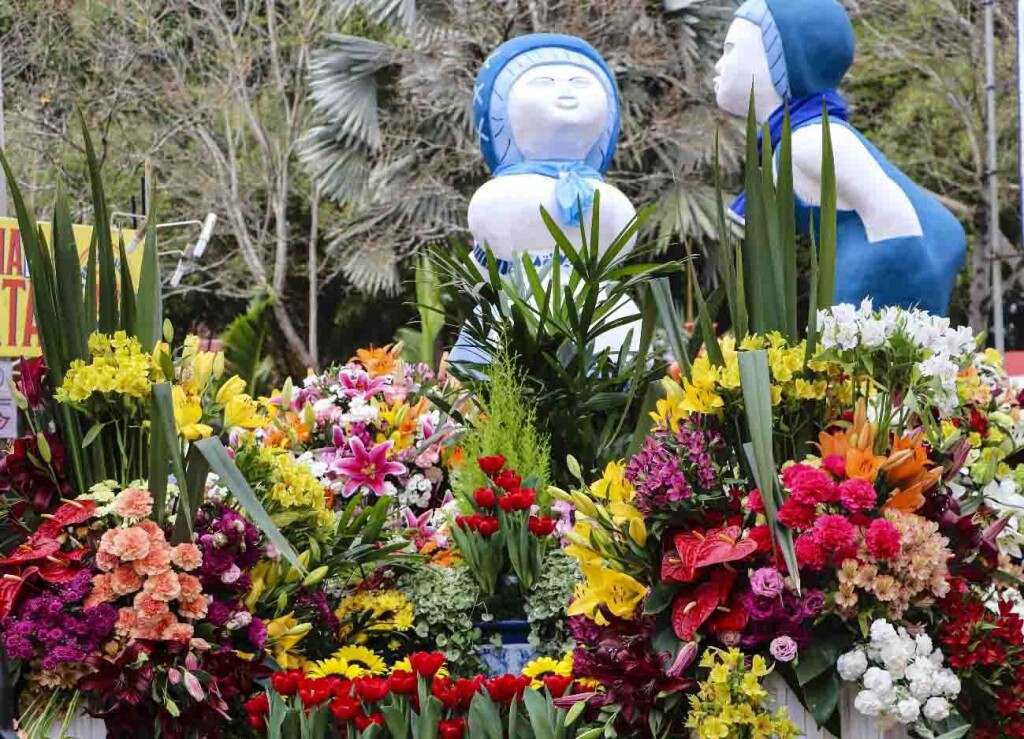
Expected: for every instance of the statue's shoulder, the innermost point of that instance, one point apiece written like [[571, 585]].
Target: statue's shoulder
[[807, 145]]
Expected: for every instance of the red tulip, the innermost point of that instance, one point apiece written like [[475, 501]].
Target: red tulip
[[402, 682], [371, 689], [491, 465], [468, 689], [484, 497], [258, 705], [451, 729], [488, 526], [314, 692], [286, 683], [346, 708], [506, 688], [542, 526], [443, 689], [557, 685], [426, 663], [508, 480], [365, 722]]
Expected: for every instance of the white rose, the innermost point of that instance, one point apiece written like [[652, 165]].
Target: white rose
[[877, 680], [867, 703], [852, 665], [936, 709], [908, 711]]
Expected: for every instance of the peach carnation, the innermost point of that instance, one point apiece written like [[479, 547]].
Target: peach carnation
[[187, 556], [124, 580], [102, 591], [156, 561], [127, 622], [191, 587], [156, 534], [149, 608], [108, 541], [131, 544], [193, 608], [178, 632], [107, 560], [164, 586], [134, 503]]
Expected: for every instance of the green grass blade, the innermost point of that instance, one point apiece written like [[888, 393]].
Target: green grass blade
[[127, 292], [163, 414], [726, 247], [786, 201], [231, 477], [828, 226], [755, 382], [104, 245], [671, 322], [704, 317], [757, 277], [741, 327], [68, 280], [812, 308], [91, 288], [150, 309], [159, 463], [774, 243]]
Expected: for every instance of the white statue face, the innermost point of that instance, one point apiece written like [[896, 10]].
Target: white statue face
[[743, 62], [557, 111]]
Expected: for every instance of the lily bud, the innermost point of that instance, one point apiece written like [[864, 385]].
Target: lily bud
[[315, 577], [44, 447]]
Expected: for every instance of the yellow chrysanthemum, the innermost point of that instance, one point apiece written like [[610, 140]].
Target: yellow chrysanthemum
[[369, 660], [336, 666]]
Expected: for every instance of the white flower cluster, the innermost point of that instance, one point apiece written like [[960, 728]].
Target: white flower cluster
[[945, 349], [416, 493], [901, 676]]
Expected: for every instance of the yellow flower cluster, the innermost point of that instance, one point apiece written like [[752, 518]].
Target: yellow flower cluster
[[293, 485], [711, 388], [731, 703], [377, 611], [118, 365]]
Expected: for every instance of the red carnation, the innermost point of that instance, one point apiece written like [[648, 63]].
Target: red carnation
[[557, 685], [882, 539], [453, 728], [426, 664], [402, 682], [491, 465], [365, 722], [834, 533], [755, 503], [857, 495], [809, 553], [763, 536], [542, 526], [484, 497], [796, 515], [345, 708], [371, 689]]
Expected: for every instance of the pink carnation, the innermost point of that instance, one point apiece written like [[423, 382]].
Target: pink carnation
[[127, 622], [187, 556], [190, 585], [755, 503], [106, 560], [102, 591], [125, 580], [808, 485], [163, 587], [857, 495], [133, 503], [149, 608], [156, 561], [130, 544], [178, 632], [835, 465], [153, 530], [834, 533], [809, 553], [882, 539]]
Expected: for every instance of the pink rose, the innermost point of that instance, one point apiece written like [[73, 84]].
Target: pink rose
[[187, 556], [783, 648], [134, 503]]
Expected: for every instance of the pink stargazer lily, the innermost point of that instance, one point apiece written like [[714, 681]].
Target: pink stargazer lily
[[356, 383], [367, 468]]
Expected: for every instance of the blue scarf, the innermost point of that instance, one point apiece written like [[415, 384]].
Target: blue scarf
[[801, 110], [572, 192]]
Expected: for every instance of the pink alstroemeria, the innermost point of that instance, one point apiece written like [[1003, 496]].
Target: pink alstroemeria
[[355, 383], [366, 468]]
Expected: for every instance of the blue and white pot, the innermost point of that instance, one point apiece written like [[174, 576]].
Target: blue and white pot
[[515, 651]]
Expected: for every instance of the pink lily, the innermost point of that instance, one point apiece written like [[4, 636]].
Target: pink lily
[[420, 523], [366, 468], [358, 384]]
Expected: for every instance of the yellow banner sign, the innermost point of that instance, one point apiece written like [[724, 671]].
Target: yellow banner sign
[[19, 336]]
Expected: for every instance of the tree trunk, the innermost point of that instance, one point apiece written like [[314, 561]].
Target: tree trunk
[[314, 276], [300, 357]]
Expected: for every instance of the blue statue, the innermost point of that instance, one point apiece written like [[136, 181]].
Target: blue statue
[[896, 243]]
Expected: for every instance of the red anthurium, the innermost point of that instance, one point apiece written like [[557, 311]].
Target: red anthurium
[[33, 550], [76, 511], [11, 584], [692, 608]]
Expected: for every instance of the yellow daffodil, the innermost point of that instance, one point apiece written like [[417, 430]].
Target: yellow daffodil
[[188, 414], [616, 591], [230, 389]]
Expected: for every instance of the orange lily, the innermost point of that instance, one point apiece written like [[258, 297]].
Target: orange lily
[[379, 361], [912, 465], [911, 497]]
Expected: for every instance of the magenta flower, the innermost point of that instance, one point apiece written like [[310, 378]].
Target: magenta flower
[[358, 384], [366, 468]]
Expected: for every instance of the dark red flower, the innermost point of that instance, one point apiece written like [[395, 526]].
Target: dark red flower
[[522, 499], [345, 708], [557, 685], [23, 471], [371, 689], [468, 689], [426, 664], [542, 526], [402, 682], [491, 465], [443, 689], [488, 526], [286, 683], [809, 553], [365, 722], [484, 497], [453, 728], [979, 424]]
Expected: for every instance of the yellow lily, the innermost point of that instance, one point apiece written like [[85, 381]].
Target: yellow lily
[[626, 516], [613, 485], [188, 415], [283, 635], [202, 369], [230, 389], [616, 591], [242, 412]]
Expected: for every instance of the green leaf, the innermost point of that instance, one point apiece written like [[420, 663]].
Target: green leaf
[[786, 201], [828, 227], [575, 712], [104, 246], [426, 725], [540, 719], [92, 433], [957, 732], [68, 281], [127, 292], [821, 696], [711, 344], [484, 718], [671, 321], [150, 309], [661, 597], [818, 657], [162, 408], [159, 462], [229, 474]]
